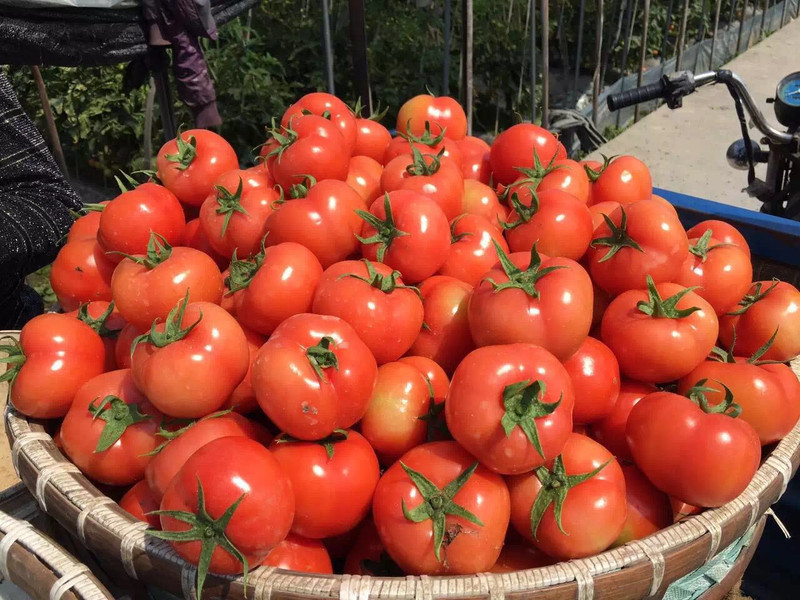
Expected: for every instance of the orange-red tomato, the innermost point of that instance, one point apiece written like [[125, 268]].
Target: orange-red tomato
[[475, 163], [594, 372], [625, 180], [480, 199], [649, 509], [81, 273], [297, 553], [443, 114], [371, 139], [139, 501], [472, 251], [438, 178], [364, 176], [722, 231]]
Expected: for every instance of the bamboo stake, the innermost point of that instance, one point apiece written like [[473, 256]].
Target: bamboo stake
[[714, 35], [52, 132], [578, 49], [467, 53], [642, 53], [598, 50], [328, 50], [545, 14], [533, 59], [446, 52], [741, 27], [682, 36]]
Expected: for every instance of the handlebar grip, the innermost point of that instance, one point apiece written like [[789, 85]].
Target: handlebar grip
[[637, 95]]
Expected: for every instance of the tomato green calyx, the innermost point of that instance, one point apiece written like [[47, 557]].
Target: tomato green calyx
[[118, 417], [556, 484], [754, 296], [241, 272], [424, 165], [523, 404], [437, 504], [519, 279], [427, 138], [187, 150], [128, 184], [173, 329], [701, 249], [594, 174], [535, 175], [300, 190], [385, 283], [88, 208], [376, 115], [385, 230], [169, 435], [158, 250], [457, 237], [14, 359], [285, 136], [727, 356], [727, 407], [228, 203], [665, 309], [525, 213], [322, 357], [618, 239], [208, 531], [329, 442], [98, 324]]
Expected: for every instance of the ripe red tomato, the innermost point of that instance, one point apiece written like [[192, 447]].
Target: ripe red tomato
[[480, 199], [393, 423], [610, 431], [442, 114], [406, 231], [189, 164], [444, 336], [323, 219], [594, 372], [475, 165], [558, 222], [241, 504], [110, 429], [122, 346], [55, 355], [472, 251], [367, 556], [333, 481], [313, 376], [722, 273], [364, 176], [524, 398], [297, 553], [86, 226], [428, 174], [722, 231], [371, 139], [243, 398], [181, 444], [440, 146], [682, 510], [188, 365], [626, 180], [322, 104], [516, 147], [598, 210], [661, 334], [520, 556], [129, 220], [307, 154], [567, 176], [139, 502], [234, 215], [547, 304], [81, 273], [107, 323], [147, 287], [438, 511], [769, 308], [433, 372], [195, 237], [384, 312], [647, 238], [649, 509], [276, 284], [665, 428]]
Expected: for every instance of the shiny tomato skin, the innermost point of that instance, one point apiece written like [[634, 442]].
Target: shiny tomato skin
[[516, 146], [520, 556], [364, 176], [195, 237], [649, 509], [61, 354], [759, 391], [125, 461], [443, 113], [366, 548], [294, 396], [392, 423], [332, 493], [658, 231], [445, 186], [594, 372], [594, 511], [473, 549], [371, 139], [400, 146], [142, 295], [283, 286], [610, 431], [433, 372], [243, 398], [664, 428], [194, 376], [123, 343], [602, 208], [626, 180], [475, 164], [81, 273], [300, 554], [722, 279], [86, 227], [480, 199], [113, 326], [192, 184], [472, 254], [387, 322], [778, 309], [474, 407], [722, 231], [138, 501], [164, 465], [447, 338], [426, 244], [558, 320], [655, 349], [312, 156], [228, 469], [128, 220], [319, 103], [567, 176], [324, 221]]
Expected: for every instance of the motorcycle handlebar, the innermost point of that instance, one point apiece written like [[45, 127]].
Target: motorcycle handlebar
[[637, 95]]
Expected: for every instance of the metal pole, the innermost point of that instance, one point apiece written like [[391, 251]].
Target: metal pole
[[741, 27], [326, 45], [164, 96], [701, 36], [783, 12], [797, 10], [446, 57], [630, 13], [665, 38], [614, 41], [533, 59], [763, 19], [714, 35], [682, 35], [545, 14], [358, 39], [52, 132], [733, 12], [642, 53], [578, 49], [466, 19], [147, 141], [598, 50]]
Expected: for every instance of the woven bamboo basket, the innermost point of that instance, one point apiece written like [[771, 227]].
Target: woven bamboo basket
[[640, 569]]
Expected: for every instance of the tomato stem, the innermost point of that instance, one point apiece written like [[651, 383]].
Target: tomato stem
[[118, 417], [525, 213], [523, 404], [385, 230], [385, 283], [454, 237], [173, 328], [727, 407], [228, 203], [519, 279], [338, 435], [594, 174], [427, 138], [618, 239], [158, 250], [15, 358], [187, 151], [665, 309], [241, 272], [754, 296], [322, 357], [100, 323]]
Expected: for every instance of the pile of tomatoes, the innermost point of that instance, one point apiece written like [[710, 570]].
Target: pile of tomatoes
[[379, 352]]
